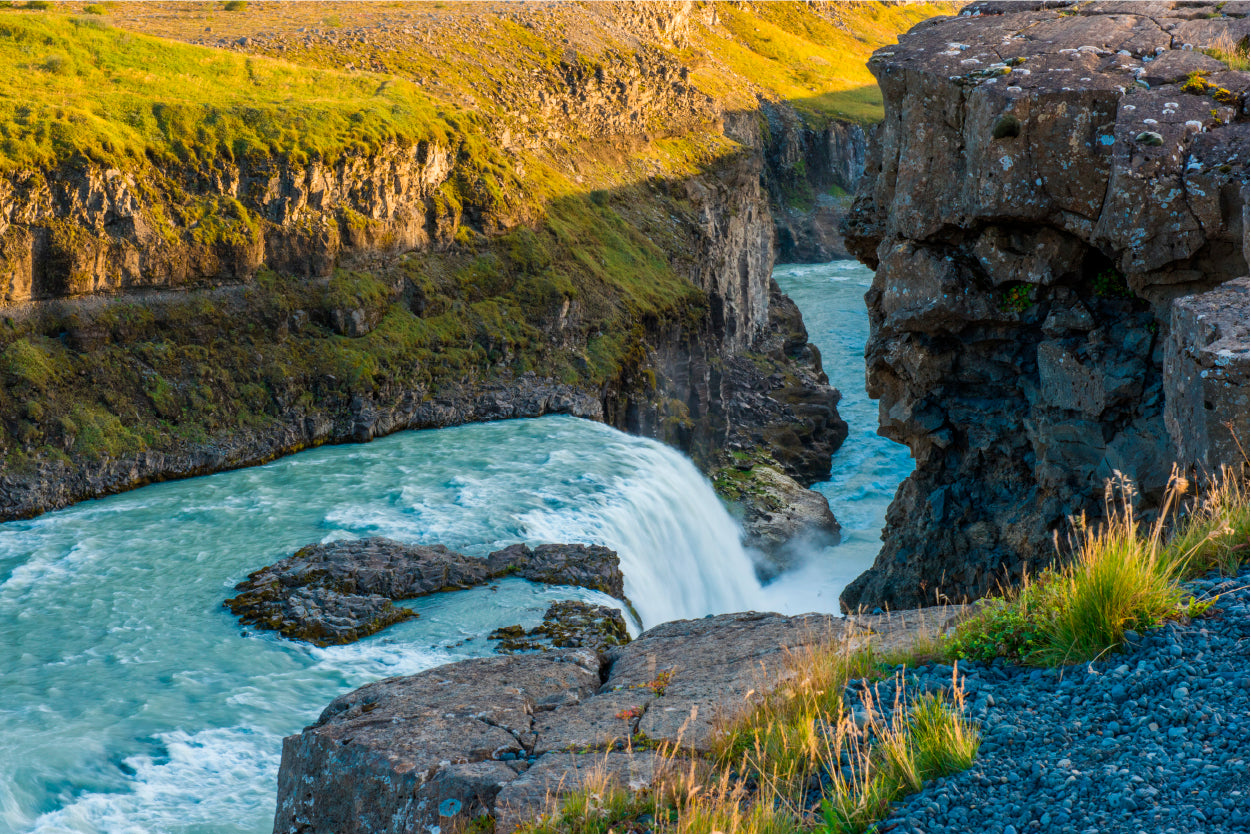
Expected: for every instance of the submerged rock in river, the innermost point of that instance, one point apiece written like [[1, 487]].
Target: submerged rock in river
[[339, 592], [567, 624]]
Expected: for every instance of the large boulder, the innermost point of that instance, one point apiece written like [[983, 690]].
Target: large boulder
[[1051, 196], [1206, 378]]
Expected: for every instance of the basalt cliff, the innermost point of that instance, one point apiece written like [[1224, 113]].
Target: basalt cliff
[[1056, 207], [509, 213]]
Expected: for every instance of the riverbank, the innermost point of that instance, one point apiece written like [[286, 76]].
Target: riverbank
[[151, 733], [798, 724], [575, 219]]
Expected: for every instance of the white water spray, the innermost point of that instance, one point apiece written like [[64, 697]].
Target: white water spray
[[125, 715], [678, 546]]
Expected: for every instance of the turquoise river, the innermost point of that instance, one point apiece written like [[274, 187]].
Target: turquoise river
[[134, 702]]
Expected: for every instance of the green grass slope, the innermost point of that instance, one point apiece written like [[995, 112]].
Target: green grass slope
[[574, 253], [73, 85]]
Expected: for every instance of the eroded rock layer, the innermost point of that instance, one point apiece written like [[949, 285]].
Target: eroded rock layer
[[577, 229], [1049, 204]]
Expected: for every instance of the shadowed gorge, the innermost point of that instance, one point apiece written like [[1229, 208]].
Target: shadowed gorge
[[474, 417]]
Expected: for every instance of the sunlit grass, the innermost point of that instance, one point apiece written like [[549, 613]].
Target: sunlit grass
[[1233, 54], [814, 61], [799, 734], [76, 86], [1122, 576]]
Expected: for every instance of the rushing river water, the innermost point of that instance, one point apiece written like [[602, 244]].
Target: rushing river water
[[867, 468], [133, 702]]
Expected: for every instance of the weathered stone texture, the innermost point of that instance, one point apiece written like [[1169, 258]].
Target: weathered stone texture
[[339, 592], [1047, 194], [810, 175], [505, 736], [1206, 377]]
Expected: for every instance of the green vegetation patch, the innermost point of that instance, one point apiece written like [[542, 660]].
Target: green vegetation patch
[[75, 86], [814, 61], [1121, 577], [758, 776], [176, 373]]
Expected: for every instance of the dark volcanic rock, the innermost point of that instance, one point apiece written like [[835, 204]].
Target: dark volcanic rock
[[810, 174], [1152, 739], [793, 411], [1206, 368], [780, 412], [342, 591], [1051, 194], [407, 754], [780, 518], [589, 566], [503, 736], [567, 624]]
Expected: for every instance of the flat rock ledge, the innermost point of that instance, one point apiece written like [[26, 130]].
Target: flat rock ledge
[[340, 592], [505, 736]]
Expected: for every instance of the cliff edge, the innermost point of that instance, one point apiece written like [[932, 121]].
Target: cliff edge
[[225, 236], [1056, 207]]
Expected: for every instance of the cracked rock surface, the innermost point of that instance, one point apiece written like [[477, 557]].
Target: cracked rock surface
[[1056, 191], [499, 736]]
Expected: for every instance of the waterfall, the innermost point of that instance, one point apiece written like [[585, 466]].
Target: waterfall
[[678, 546]]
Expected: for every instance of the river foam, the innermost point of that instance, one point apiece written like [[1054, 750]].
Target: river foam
[[133, 701]]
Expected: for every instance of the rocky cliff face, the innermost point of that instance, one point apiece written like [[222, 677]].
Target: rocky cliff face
[[84, 229], [811, 174], [418, 284], [1056, 207]]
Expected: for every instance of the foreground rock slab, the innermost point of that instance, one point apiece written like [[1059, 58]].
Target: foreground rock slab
[[503, 736], [339, 592]]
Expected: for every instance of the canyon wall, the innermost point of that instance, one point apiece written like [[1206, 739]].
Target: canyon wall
[[1056, 207], [812, 173], [540, 252]]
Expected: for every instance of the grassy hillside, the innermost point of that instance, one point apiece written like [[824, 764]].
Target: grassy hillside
[[815, 60], [580, 237], [76, 85]]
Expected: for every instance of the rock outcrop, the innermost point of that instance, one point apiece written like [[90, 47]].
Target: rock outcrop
[[1050, 199], [87, 229], [1205, 373], [434, 241], [505, 736], [567, 624], [342, 591]]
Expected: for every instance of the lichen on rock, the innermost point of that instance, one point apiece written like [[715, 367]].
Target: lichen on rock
[[567, 624], [1033, 325]]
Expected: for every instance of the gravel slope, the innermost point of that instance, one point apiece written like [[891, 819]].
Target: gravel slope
[[1152, 740]]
